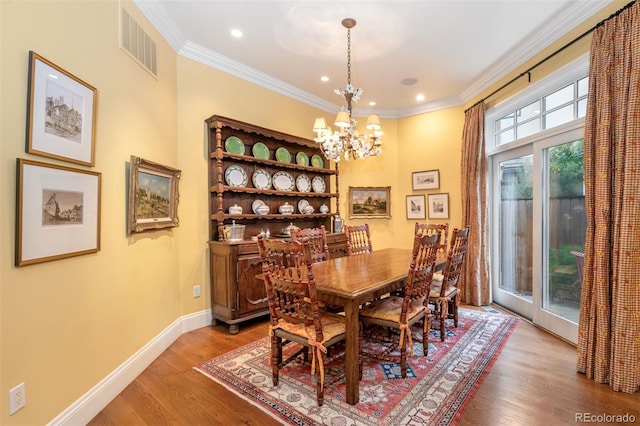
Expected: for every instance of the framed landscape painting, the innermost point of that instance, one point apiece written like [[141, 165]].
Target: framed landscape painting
[[429, 179], [58, 212], [369, 202], [153, 196], [61, 113], [416, 208]]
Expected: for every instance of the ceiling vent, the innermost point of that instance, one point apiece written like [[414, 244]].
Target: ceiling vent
[[138, 44]]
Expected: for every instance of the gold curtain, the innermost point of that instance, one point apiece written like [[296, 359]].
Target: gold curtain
[[609, 328], [475, 280]]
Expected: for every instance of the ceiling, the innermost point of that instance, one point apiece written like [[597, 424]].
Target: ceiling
[[452, 50]]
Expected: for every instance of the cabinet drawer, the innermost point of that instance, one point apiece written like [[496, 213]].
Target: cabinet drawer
[[248, 248]]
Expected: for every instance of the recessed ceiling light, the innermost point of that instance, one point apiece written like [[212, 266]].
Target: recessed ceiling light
[[236, 33], [410, 81], [324, 78], [420, 97], [372, 103]]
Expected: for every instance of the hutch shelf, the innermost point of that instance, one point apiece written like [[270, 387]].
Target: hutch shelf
[[251, 166]]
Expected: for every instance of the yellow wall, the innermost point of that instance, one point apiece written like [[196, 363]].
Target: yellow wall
[[68, 324]]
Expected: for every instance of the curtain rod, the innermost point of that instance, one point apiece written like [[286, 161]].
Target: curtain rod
[[528, 71]]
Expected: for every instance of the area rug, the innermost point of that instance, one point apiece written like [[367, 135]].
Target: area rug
[[436, 391]]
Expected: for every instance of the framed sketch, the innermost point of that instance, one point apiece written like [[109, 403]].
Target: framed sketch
[[438, 206], [369, 202], [58, 212], [429, 179], [416, 207], [61, 113], [153, 196]]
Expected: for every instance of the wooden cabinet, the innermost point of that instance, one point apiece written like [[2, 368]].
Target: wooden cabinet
[[298, 175]]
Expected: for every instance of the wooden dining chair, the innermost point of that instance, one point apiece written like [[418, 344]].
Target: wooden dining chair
[[317, 238], [293, 308], [399, 313], [443, 296], [431, 228], [358, 239]]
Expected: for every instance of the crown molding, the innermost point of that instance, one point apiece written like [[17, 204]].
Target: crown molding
[[162, 23]]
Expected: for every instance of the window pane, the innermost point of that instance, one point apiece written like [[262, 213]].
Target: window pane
[[558, 98], [583, 87], [528, 128], [530, 111], [582, 108], [560, 116], [505, 137], [504, 122]]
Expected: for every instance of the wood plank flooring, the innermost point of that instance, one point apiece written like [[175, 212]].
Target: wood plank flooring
[[533, 382]]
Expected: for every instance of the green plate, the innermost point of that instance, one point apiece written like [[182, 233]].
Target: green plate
[[260, 150], [282, 155], [234, 145], [302, 159], [316, 161]]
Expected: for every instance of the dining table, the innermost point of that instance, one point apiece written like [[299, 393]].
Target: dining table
[[352, 281]]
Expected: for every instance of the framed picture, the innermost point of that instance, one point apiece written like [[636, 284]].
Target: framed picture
[[153, 196], [438, 206], [429, 179], [370, 202], [416, 208], [61, 113], [58, 212]]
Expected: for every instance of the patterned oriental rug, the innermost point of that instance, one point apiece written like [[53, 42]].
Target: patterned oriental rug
[[436, 391]]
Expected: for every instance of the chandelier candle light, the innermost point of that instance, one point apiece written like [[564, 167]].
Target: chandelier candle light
[[347, 141]]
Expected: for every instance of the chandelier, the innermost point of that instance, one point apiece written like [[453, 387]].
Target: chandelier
[[347, 142]]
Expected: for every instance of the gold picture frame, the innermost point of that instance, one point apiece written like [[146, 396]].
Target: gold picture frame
[[153, 196], [58, 212], [61, 113], [370, 202]]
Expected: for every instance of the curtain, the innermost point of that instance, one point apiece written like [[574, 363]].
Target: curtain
[[474, 285], [609, 325]]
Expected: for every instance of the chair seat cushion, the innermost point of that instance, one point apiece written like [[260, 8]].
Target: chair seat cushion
[[332, 326], [390, 308], [436, 287]]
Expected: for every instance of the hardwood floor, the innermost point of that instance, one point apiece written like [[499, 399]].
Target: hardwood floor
[[533, 382]]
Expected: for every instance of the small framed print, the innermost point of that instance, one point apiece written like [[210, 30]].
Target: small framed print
[[153, 196], [429, 179], [438, 206], [61, 113], [416, 207], [58, 212], [370, 202]]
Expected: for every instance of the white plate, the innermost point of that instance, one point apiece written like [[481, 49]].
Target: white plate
[[261, 179], [318, 184], [302, 204], [303, 183], [255, 205], [236, 176], [283, 181]]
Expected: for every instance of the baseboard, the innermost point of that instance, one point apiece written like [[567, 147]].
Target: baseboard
[[94, 401]]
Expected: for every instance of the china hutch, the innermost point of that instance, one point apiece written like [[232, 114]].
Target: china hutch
[[251, 167]]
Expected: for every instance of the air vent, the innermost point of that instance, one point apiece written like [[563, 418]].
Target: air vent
[[138, 44]]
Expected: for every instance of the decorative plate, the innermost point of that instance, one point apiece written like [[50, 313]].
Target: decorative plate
[[302, 204], [236, 176], [318, 184], [282, 155], [302, 159], [260, 150], [303, 183], [283, 181], [255, 205], [316, 161], [261, 179], [234, 145]]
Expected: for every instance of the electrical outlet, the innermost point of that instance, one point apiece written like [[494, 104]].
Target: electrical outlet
[[196, 291], [17, 398]]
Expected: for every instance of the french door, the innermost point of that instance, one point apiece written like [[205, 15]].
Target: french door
[[538, 220]]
